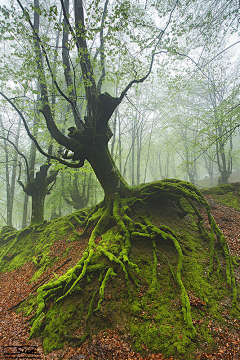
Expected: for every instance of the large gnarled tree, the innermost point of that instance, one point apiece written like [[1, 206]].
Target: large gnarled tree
[[88, 140]]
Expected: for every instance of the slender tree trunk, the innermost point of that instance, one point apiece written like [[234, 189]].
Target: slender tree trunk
[[167, 165], [119, 144], [139, 151], [148, 154], [14, 173], [25, 211], [133, 150], [11, 172]]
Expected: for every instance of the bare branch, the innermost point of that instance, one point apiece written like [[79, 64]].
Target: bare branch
[[221, 52], [229, 132], [19, 153], [194, 62]]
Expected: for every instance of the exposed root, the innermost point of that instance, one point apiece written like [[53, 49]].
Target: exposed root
[[110, 273], [98, 257]]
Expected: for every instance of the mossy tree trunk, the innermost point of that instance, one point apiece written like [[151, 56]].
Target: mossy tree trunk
[[38, 189], [38, 199]]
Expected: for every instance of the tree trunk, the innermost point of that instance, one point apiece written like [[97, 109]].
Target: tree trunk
[[38, 200], [106, 171], [119, 144], [38, 189], [10, 180], [25, 211]]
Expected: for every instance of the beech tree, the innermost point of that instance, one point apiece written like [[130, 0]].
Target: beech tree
[[79, 193], [11, 170], [88, 138]]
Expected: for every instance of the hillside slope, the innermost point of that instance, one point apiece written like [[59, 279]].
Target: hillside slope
[[145, 318]]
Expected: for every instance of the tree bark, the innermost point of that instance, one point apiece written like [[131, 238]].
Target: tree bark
[[25, 211], [106, 171]]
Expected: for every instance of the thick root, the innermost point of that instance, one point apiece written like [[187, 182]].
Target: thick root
[[98, 256]]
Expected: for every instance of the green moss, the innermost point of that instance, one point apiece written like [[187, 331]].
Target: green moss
[[27, 306], [147, 276], [31, 243], [227, 195], [59, 324], [6, 233], [229, 199], [109, 274], [111, 241], [219, 190]]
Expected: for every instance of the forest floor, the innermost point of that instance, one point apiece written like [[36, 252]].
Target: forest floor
[[108, 344]]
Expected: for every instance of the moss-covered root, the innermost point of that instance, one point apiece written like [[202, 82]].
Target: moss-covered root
[[171, 188], [67, 283], [109, 273], [125, 227], [200, 222], [216, 232], [167, 234], [72, 279], [90, 310], [91, 220], [154, 269], [177, 189]]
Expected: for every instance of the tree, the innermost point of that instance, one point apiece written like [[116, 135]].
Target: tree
[[38, 188], [217, 92], [88, 140], [79, 193], [10, 182]]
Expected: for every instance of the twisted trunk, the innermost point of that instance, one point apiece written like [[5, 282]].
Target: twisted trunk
[[107, 172]]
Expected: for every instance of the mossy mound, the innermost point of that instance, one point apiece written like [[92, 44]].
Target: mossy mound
[[219, 190], [6, 233], [163, 290], [228, 195], [33, 244]]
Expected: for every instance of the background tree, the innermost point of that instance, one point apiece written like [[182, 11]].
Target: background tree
[[10, 169]]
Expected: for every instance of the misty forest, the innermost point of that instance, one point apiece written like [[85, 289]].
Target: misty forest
[[120, 179]]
